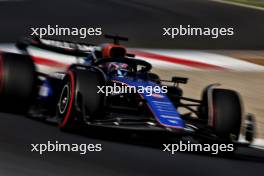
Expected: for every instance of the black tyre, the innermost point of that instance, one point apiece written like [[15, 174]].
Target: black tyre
[[225, 113], [79, 99], [17, 78]]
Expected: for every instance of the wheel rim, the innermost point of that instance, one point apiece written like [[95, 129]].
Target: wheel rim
[[64, 99]]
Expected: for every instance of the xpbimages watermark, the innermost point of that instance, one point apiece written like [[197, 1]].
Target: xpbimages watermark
[[124, 89], [191, 147], [56, 146], [188, 30], [57, 30]]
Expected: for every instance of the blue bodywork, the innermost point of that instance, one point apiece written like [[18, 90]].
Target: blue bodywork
[[160, 105]]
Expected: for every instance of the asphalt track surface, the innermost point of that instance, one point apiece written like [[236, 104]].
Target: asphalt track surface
[[141, 21], [121, 156]]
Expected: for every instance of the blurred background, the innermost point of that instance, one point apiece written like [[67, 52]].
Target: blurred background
[[141, 21]]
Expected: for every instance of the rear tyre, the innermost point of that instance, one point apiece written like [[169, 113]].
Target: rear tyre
[[79, 100], [227, 113], [17, 78], [224, 113]]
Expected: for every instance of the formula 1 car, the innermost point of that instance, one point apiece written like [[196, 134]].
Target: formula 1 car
[[66, 90]]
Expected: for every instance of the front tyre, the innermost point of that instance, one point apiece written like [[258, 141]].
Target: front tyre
[[65, 109], [17, 82], [79, 100]]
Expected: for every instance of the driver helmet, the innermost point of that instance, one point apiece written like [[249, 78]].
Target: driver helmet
[[118, 69]]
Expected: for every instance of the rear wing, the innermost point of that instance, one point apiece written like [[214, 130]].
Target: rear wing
[[59, 46], [177, 80]]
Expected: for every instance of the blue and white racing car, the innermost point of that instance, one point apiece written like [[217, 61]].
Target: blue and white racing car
[[80, 87]]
